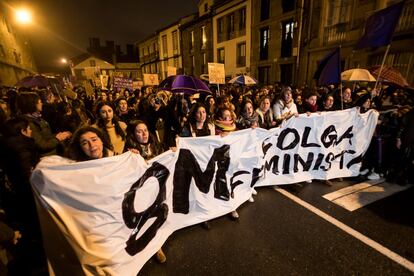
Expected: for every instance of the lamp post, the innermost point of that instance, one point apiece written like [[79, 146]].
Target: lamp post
[[23, 16], [67, 68], [23, 21]]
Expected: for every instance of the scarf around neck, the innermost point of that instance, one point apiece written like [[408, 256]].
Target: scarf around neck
[[225, 125]]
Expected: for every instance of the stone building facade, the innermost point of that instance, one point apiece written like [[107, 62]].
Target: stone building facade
[[16, 57]]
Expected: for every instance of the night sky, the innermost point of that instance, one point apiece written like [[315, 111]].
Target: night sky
[[62, 27]]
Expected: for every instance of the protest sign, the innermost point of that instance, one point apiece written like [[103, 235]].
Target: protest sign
[[151, 79], [216, 73], [121, 82], [104, 81]]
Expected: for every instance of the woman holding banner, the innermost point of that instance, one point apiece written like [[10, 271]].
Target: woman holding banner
[[248, 118], [89, 143], [197, 124], [265, 113], [285, 107], [224, 124], [141, 141]]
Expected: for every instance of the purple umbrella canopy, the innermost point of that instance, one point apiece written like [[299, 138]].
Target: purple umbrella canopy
[[184, 84], [33, 81]]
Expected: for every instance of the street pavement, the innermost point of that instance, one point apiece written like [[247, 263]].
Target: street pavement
[[278, 236]]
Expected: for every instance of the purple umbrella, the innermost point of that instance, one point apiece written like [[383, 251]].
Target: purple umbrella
[[32, 81], [184, 84]]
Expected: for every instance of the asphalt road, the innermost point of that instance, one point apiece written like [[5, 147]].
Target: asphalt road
[[277, 236]]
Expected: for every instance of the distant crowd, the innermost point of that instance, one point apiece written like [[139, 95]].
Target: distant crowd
[[37, 122]]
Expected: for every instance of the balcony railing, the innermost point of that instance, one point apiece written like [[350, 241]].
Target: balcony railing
[[407, 17], [224, 36], [335, 34]]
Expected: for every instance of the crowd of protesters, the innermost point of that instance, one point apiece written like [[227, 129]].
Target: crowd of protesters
[[36, 123]]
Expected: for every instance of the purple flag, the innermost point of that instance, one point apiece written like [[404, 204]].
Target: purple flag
[[329, 69], [380, 27]]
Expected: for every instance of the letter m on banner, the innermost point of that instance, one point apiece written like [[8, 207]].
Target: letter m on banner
[[187, 168]]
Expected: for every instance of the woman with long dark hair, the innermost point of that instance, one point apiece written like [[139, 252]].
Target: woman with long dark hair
[[89, 143], [197, 124], [265, 113], [140, 139], [247, 118], [111, 126]]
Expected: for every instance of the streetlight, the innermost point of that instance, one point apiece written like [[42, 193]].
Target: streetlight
[[23, 16], [63, 60]]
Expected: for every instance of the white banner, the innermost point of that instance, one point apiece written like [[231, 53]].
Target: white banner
[[317, 146], [115, 213]]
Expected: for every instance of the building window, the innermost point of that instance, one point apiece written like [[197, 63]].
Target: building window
[[205, 7], [287, 38], [230, 26], [220, 55], [192, 64], [264, 43], [242, 19], [191, 40], [175, 42], [2, 52], [176, 62], [164, 45], [165, 65], [203, 37], [286, 73], [154, 46], [92, 63], [9, 29], [288, 5], [339, 11], [263, 76], [265, 9], [204, 64], [17, 57], [220, 29], [241, 54]]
